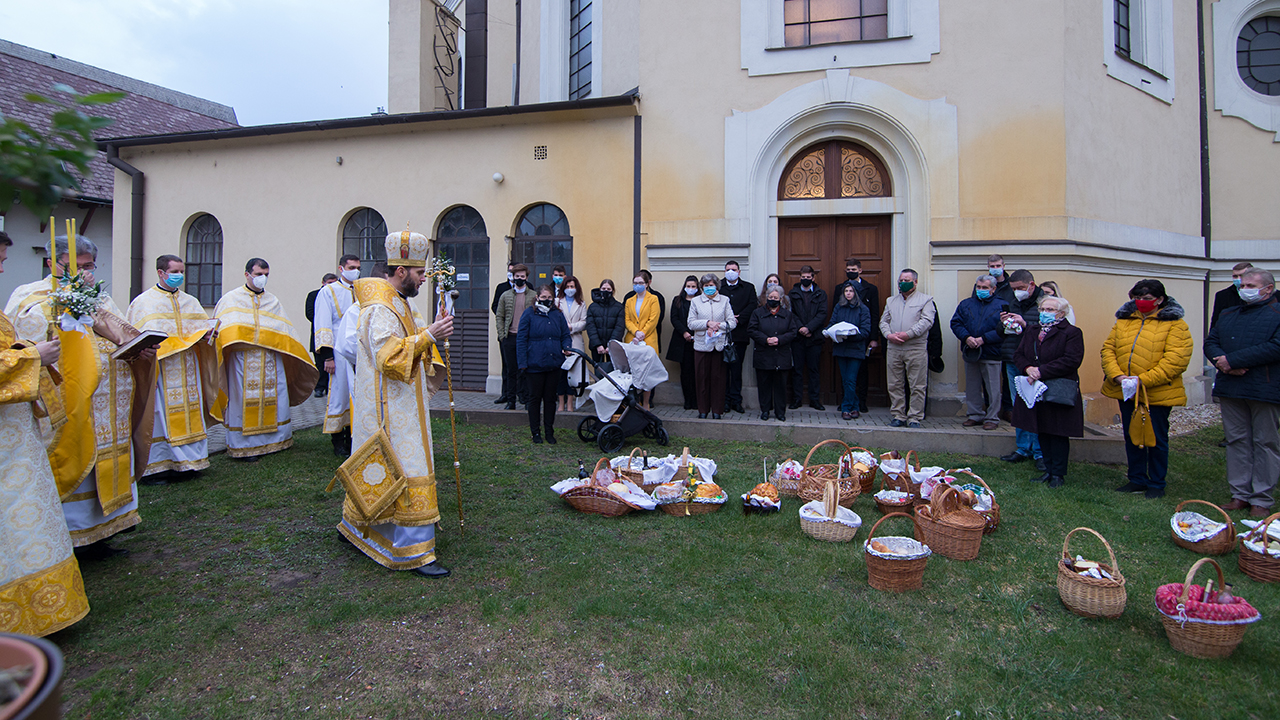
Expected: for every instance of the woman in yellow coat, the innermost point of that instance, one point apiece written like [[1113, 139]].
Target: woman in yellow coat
[[641, 316], [1150, 342]]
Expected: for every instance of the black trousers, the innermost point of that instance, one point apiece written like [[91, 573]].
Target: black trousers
[[733, 389], [804, 362], [542, 399], [1056, 449], [323, 383], [772, 386], [688, 378], [514, 385]]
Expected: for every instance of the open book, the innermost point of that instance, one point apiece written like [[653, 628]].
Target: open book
[[145, 339]]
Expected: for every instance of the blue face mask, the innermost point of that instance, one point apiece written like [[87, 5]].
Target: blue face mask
[[174, 280], [557, 279], [995, 272], [984, 294], [708, 291], [1047, 317], [1236, 282], [639, 288]]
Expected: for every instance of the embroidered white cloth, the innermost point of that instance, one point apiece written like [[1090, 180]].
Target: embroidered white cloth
[[1029, 390], [840, 331], [1129, 386]]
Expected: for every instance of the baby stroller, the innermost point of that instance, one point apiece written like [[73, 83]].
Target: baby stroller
[[616, 396]]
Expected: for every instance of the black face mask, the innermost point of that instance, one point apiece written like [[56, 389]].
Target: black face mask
[[852, 275], [545, 304], [519, 282], [806, 284], [598, 295], [772, 303]]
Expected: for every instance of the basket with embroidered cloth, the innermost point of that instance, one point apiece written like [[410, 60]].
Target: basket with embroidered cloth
[[603, 493], [1201, 534], [813, 481]]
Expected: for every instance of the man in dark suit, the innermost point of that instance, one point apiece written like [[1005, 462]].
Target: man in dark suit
[[743, 301], [809, 305], [322, 385], [493, 307], [870, 296], [1229, 297]]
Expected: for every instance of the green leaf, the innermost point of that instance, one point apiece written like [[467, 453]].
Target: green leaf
[[37, 99], [102, 98]]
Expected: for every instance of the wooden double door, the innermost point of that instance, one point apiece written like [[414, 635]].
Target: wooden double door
[[824, 243]]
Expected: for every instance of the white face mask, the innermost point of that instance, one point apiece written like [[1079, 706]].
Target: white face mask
[[1022, 295], [259, 281], [690, 291], [351, 275], [1250, 295], [731, 275], [510, 277], [570, 292]]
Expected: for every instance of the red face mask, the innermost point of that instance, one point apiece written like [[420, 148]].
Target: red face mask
[[1145, 306]]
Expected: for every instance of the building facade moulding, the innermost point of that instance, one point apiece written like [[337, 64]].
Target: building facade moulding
[[1230, 95]]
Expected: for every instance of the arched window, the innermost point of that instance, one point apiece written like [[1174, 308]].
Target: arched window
[[462, 237], [204, 260], [542, 242], [365, 235], [834, 169]]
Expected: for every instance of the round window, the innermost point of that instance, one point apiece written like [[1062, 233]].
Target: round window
[[1258, 55]]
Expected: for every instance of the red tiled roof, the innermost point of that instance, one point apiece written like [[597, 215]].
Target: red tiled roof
[[147, 109]]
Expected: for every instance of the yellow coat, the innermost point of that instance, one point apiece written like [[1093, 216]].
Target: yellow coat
[[647, 321], [1157, 350]]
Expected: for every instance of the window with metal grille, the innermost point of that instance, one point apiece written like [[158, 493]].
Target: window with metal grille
[[463, 239], [365, 235], [204, 260], [1124, 36], [539, 152], [1258, 55], [579, 49], [542, 242], [820, 22]]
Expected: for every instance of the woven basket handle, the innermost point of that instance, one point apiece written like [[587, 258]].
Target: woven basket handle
[[632, 456], [602, 461], [1262, 528], [1231, 526], [896, 482], [831, 500], [938, 502], [886, 517], [826, 442], [1186, 584], [912, 454], [972, 474], [1114, 565]]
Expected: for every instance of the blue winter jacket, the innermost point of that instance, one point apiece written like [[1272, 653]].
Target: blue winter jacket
[[855, 346], [1249, 335], [975, 317], [541, 340]]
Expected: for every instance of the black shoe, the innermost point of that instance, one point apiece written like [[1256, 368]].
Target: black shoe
[[896, 423], [702, 416], [432, 570], [1014, 457], [154, 480], [687, 406], [502, 400], [715, 416], [1154, 493], [511, 405], [551, 436], [781, 416], [338, 450], [795, 405], [1043, 478], [1132, 487], [862, 407], [250, 459], [1041, 466], [1223, 443], [914, 425], [99, 551], [1057, 481], [537, 438], [739, 409], [764, 415], [817, 406]]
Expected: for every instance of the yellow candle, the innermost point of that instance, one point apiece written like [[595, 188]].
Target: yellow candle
[[53, 255], [72, 265]]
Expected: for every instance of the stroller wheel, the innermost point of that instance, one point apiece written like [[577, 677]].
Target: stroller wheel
[[611, 438], [649, 431], [588, 428], [663, 438]]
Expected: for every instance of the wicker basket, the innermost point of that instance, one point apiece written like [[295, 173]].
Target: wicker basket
[[954, 533], [786, 485], [813, 481], [893, 575], [993, 515], [1203, 638], [866, 479], [682, 470], [1221, 543], [899, 483], [685, 509], [635, 476], [597, 500], [1262, 567], [1091, 597], [839, 525]]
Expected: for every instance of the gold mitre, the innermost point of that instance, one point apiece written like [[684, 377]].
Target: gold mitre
[[406, 248]]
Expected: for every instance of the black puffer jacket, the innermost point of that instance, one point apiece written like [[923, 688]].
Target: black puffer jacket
[[764, 325], [604, 322], [1249, 335], [1029, 309]]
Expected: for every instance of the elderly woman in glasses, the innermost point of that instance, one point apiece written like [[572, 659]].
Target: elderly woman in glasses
[[1051, 351]]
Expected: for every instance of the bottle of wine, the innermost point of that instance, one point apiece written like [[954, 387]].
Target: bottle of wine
[[646, 460], [582, 471]]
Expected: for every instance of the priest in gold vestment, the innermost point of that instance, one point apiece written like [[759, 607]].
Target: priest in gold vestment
[[397, 370], [92, 453], [40, 587], [264, 370], [179, 408]]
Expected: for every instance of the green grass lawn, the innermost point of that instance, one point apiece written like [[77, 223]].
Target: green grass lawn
[[240, 599]]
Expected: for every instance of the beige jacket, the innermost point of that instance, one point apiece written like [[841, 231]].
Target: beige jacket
[[913, 314]]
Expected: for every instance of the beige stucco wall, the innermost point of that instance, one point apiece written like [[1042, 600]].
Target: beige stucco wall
[[286, 198]]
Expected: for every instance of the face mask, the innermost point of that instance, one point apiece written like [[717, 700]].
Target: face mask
[[1022, 295], [510, 277], [543, 305], [852, 275], [731, 275], [570, 292], [1048, 318], [174, 280], [806, 284], [690, 291], [984, 294], [1145, 306], [1236, 282], [906, 286], [597, 296], [995, 272], [639, 288], [1250, 295], [519, 282], [351, 275], [259, 281], [708, 291], [773, 303], [557, 279]]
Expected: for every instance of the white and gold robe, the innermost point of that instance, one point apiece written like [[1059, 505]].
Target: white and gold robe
[[95, 477], [40, 586], [186, 382], [332, 303], [397, 366], [264, 371]]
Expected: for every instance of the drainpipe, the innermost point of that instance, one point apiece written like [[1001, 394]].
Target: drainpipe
[[1206, 205], [135, 219], [515, 96]]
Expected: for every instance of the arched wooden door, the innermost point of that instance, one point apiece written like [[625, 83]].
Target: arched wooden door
[[831, 170], [462, 237]]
